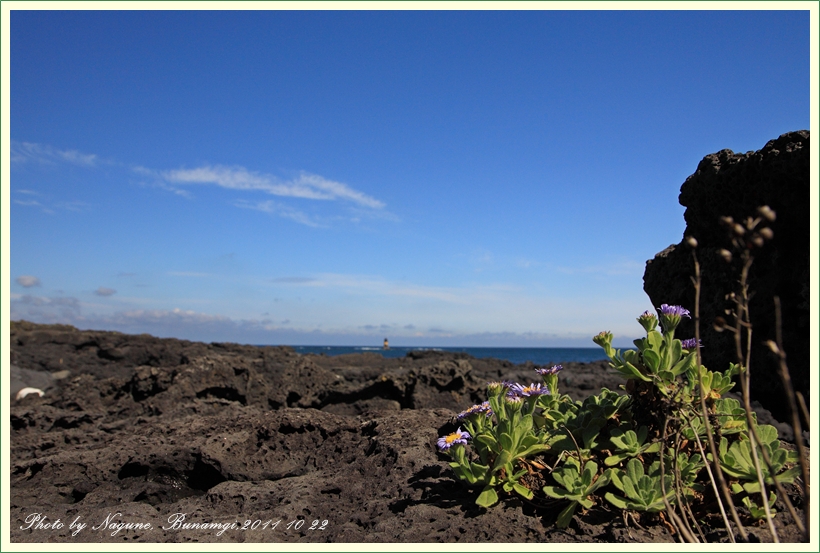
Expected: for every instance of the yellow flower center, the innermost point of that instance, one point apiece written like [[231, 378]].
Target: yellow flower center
[[452, 437]]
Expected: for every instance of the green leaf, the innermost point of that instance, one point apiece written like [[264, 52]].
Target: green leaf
[[629, 371], [522, 491], [524, 425], [489, 441], [590, 470], [565, 516], [652, 360], [634, 470], [487, 497], [556, 492], [619, 502], [506, 442], [655, 340], [614, 459], [683, 365], [532, 450]]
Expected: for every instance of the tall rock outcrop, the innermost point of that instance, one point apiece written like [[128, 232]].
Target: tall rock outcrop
[[730, 184]]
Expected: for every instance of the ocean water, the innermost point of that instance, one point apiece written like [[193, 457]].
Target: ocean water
[[538, 356]]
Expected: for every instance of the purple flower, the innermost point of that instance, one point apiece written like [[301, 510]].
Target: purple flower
[[458, 437], [691, 343], [480, 408], [671, 316], [527, 391], [543, 371], [676, 310]]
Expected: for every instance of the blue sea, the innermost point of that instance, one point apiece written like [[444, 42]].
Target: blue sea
[[538, 356]]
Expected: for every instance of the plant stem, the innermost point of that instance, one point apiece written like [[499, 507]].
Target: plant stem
[[743, 321], [795, 415], [718, 472]]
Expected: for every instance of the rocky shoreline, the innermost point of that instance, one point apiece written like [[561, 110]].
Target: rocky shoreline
[[142, 439]]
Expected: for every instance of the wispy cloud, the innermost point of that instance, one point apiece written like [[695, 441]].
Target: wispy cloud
[[279, 209], [22, 152], [103, 291], [306, 185], [293, 280], [383, 287], [45, 310], [157, 181], [34, 203], [190, 274], [46, 205]]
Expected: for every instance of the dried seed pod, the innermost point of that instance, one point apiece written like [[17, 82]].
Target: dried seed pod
[[757, 240], [691, 242], [719, 324], [738, 229], [726, 255], [767, 213], [766, 233], [726, 220]]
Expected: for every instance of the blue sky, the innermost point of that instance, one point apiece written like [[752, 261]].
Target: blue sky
[[459, 178]]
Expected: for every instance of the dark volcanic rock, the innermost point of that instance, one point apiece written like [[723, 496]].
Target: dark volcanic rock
[[224, 435], [735, 185]]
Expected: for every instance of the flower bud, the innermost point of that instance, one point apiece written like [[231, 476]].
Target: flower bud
[[738, 229], [648, 321], [495, 388], [766, 233], [757, 240], [603, 339], [726, 255], [691, 242], [726, 220]]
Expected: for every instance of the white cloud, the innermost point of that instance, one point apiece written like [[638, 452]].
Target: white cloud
[[48, 206], [306, 185], [27, 281], [190, 274], [158, 182], [29, 203], [103, 291], [45, 310], [22, 152], [73, 156], [281, 210], [535, 322], [339, 190], [72, 206]]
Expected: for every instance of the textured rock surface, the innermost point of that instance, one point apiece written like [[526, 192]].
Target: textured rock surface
[[226, 434], [730, 184]]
